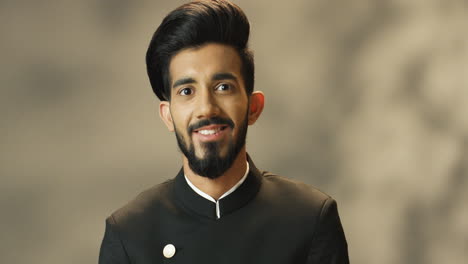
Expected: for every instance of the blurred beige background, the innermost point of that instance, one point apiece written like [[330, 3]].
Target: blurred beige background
[[367, 100]]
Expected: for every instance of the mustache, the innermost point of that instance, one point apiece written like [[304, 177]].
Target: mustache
[[211, 121]]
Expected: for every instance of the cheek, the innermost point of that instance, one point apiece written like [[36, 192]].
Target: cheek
[[239, 114], [179, 119]]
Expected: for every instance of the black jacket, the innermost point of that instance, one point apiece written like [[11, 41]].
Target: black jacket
[[268, 219]]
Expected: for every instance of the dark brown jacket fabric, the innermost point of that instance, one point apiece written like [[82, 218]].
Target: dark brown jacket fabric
[[269, 219]]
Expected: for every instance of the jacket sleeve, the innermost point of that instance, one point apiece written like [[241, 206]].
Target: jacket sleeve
[[112, 250], [329, 243]]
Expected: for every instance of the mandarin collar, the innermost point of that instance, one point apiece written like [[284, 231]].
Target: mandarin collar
[[237, 199]]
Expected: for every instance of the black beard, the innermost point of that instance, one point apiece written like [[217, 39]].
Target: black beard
[[213, 165]]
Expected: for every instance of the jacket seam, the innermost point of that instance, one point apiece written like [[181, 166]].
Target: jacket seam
[[120, 239], [317, 226]]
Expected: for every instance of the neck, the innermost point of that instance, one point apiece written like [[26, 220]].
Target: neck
[[217, 187]]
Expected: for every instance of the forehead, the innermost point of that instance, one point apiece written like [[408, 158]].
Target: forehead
[[204, 61]]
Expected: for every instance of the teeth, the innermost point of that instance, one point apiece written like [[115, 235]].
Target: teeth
[[208, 132]]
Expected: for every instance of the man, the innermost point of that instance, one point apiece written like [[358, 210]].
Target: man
[[219, 208]]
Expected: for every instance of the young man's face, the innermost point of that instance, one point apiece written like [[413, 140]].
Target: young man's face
[[209, 106]]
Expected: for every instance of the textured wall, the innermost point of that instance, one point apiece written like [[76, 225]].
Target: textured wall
[[366, 100]]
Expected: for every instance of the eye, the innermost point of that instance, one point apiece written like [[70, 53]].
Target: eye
[[186, 91], [223, 87]]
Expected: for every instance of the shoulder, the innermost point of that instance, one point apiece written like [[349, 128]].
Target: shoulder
[[294, 188], [141, 207], [296, 196], [300, 206]]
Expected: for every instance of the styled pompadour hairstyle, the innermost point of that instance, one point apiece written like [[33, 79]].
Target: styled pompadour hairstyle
[[192, 25]]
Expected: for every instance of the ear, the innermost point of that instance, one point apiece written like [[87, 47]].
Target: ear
[[165, 115], [257, 101]]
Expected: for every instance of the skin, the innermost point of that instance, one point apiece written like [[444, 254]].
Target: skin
[[206, 82]]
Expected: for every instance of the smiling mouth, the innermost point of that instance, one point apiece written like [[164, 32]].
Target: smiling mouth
[[210, 130]]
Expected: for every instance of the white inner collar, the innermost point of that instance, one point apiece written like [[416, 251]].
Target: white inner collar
[[209, 198]]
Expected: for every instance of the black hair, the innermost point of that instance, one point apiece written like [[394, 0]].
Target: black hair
[[192, 25]]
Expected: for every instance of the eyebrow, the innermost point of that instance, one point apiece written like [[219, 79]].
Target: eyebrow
[[183, 81], [216, 77], [224, 76]]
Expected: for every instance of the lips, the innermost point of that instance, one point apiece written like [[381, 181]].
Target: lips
[[211, 129], [210, 132]]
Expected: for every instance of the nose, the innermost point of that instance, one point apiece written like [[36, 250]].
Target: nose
[[207, 106]]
